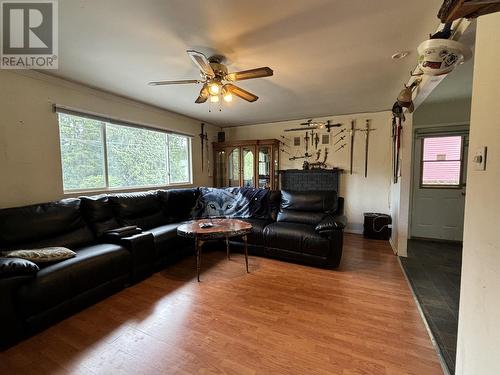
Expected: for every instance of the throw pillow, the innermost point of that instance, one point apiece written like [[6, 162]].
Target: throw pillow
[[45, 255]]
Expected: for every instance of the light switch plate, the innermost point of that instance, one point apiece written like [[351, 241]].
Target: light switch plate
[[479, 159]]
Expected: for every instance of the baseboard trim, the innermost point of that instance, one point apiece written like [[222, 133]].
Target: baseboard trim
[[353, 231], [393, 246]]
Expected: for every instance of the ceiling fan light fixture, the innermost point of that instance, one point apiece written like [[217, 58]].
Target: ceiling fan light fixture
[[214, 88], [228, 97], [214, 98]]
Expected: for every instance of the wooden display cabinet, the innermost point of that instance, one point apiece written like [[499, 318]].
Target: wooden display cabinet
[[249, 163]]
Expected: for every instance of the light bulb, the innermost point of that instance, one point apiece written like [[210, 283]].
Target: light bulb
[[228, 97], [214, 88], [214, 98]]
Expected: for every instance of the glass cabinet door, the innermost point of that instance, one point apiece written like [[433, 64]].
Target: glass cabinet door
[[220, 168], [264, 167], [233, 167], [248, 167]]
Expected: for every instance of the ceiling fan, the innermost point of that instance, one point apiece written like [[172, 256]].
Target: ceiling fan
[[217, 81]]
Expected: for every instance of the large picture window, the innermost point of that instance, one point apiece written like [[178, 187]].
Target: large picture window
[[442, 161], [100, 155]]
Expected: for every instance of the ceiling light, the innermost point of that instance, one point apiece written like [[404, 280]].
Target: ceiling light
[[214, 88], [214, 98], [400, 55], [228, 97]]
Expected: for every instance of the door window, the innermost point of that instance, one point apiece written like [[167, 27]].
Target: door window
[[442, 161]]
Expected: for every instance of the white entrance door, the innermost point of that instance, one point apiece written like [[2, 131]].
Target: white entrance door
[[439, 185]]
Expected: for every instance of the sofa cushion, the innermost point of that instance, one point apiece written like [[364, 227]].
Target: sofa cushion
[[58, 223], [257, 235], [304, 217], [164, 233], [143, 209], [301, 238], [99, 214], [308, 207], [170, 247], [322, 201], [56, 283], [178, 204]]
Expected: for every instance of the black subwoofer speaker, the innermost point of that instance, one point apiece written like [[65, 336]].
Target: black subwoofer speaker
[[377, 226]]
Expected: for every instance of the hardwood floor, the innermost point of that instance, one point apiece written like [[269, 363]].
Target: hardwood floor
[[281, 318]]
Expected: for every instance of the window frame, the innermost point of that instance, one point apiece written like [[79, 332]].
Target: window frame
[[103, 122], [461, 183]]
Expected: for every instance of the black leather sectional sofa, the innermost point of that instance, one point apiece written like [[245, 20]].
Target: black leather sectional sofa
[[299, 227]]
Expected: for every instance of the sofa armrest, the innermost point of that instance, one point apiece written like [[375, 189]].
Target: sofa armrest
[[331, 222], [13, 272], [142, 247], [17, 267]]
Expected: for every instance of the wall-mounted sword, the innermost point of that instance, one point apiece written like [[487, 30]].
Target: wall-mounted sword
[[339, 132], [203, 138], [305, 156], [339, 140], [341, 147], [351, 133], [367, 131]]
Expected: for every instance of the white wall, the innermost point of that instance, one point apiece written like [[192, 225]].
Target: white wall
[[30, 163], [400, 192], [479, 320], [361, 194], [450, 112]]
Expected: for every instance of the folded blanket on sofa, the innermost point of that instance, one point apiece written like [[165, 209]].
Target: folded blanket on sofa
[[232, 202]]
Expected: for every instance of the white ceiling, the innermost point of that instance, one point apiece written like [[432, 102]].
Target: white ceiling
[[329, 56]]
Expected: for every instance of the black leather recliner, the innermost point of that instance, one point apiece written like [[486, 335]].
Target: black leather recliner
[[309, 229], [303, 227]]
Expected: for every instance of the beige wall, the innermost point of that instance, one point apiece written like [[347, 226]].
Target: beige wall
[[361, 194], [479, 318], [30, 164]]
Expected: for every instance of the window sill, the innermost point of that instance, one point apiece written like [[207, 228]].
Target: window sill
[[76, 193]]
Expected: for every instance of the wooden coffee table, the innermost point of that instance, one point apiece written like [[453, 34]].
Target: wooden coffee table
[[221, 228]]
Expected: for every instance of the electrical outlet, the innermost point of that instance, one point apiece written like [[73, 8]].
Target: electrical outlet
[[479, 159]]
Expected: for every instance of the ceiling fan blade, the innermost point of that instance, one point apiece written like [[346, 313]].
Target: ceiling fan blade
[[179, 82], [249, 74], [204, 94], [201, 62], [239, 92]]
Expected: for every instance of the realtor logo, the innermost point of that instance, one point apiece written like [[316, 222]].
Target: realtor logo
[[29, 34]]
